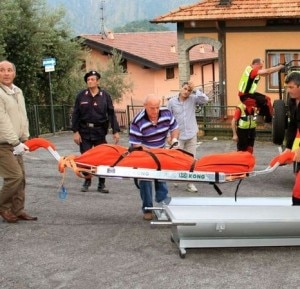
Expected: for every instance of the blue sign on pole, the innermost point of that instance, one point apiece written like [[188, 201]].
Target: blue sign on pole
[[49, 62]]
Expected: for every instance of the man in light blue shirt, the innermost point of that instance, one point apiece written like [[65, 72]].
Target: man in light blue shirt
[[183, 107]]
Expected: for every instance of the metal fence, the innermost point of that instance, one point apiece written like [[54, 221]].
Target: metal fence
[[45, 119], [212, 120], [40, 119]]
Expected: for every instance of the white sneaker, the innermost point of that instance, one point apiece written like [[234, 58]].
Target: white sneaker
[[191, 188]]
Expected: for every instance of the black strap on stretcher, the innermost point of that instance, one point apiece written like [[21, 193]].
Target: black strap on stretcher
[[154, 157], [130, 150], [220, 192]]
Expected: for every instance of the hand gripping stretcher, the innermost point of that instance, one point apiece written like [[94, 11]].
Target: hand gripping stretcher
[[197, 222]]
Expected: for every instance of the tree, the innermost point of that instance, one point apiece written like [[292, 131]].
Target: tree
[[29, 33], [114, 78], [141, 26]]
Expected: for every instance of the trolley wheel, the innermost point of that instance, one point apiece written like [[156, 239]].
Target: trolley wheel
[[279, 122]]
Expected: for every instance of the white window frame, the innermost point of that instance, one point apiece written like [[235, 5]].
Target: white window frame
[[273, 58]]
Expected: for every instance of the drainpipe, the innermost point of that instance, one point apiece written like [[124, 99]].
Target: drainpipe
[[222, 63]]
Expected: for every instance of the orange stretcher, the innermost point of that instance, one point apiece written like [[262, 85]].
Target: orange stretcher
[[109, 160]]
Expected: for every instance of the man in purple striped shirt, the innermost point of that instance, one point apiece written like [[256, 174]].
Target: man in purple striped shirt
[[149, 129]]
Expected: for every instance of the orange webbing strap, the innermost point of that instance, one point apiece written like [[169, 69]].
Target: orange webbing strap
[[234, 177], [80, 170], [62, 179]]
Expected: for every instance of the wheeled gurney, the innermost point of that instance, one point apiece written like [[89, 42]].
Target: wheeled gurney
[[224, 222], [198, 222]]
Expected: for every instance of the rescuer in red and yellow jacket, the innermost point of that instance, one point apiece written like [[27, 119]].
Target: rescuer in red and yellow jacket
[[243, 126], [248, 85]]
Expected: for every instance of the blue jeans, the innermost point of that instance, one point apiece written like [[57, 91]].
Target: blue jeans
[[161, 192]]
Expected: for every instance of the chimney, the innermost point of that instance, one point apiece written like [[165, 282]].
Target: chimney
[[225, 2], [110, 35], [173, 49]]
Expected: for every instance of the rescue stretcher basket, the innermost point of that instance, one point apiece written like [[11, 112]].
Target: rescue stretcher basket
[[204, 222]]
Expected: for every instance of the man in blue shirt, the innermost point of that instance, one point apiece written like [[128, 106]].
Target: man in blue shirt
[[183, 107], [149, 129]]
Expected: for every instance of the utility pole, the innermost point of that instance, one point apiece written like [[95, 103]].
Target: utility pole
[[102, 28], [49, 64]]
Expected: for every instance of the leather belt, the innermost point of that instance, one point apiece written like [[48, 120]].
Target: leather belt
[[90, 124]]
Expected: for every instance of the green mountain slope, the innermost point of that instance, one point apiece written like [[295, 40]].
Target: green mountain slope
[[87, 16]]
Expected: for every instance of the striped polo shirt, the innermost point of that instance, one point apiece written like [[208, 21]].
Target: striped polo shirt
[[144, 132]]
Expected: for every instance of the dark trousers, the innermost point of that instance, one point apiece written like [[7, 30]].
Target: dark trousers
[[87, 144], [246, 139]]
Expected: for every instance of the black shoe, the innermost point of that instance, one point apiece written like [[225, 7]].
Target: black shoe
[[296, 201], [101, 188], [86, 185]]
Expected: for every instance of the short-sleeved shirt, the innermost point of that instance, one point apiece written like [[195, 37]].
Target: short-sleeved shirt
[[144, 132]]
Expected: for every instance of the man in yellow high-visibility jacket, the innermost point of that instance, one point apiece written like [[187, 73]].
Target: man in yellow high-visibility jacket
[[243, 127], [248, 85]]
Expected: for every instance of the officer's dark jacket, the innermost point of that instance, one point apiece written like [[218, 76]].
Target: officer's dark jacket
[[94, 114]]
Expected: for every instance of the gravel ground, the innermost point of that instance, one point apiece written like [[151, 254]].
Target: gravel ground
[[92, 240]]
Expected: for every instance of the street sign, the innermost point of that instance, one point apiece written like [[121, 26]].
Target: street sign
[[49, 62], [49, 68]]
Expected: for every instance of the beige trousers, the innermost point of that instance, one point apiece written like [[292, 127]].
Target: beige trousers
[[189, 145]]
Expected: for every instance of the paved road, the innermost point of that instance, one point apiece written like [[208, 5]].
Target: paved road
[[91, 240]]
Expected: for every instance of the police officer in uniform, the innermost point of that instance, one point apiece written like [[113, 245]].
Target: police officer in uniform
[[93, 112]]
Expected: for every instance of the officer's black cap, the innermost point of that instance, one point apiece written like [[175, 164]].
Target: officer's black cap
[[91, 73]]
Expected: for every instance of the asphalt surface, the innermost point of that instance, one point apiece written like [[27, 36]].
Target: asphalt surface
[[93, 240]]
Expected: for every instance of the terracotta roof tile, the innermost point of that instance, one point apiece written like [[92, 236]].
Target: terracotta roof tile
[[237, 9], [150, 46]]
